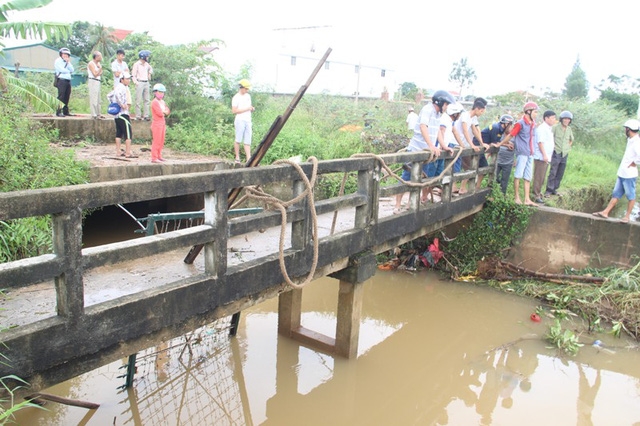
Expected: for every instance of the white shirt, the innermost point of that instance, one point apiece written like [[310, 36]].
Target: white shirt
[[431, 118], [544, 137], [464, 118], [447, 123], [631, 155], [241, 101], [412, 119]]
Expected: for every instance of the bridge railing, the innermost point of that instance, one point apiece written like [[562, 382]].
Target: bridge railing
[[69, 264], [65, 206]]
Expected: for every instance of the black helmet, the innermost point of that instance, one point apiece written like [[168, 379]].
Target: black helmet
[[144, 54], [442, 97], [506, 119]]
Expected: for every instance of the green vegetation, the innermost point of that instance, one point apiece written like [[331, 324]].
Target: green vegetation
[[563, 339], [493, 230], [28, 162]]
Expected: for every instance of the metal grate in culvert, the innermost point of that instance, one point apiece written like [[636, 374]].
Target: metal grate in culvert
[[194, 379]]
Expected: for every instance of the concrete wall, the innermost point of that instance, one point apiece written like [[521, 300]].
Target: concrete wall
[[102, 131], [558, 238]]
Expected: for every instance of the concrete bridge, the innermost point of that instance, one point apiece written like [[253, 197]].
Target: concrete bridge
[[99, 308]]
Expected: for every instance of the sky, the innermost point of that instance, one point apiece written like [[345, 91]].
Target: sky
[[510, 45]]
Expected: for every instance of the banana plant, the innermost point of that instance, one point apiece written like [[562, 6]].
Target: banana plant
[[27, 92]]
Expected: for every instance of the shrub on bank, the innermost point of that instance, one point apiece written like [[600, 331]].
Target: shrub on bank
[[28, 162]]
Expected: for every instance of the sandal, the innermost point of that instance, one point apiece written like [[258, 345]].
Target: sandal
[[131, 156]]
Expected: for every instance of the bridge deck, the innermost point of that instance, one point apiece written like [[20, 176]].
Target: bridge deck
[[102, 305]]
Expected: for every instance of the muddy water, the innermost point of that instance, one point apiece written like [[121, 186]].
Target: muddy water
[[431, 352]]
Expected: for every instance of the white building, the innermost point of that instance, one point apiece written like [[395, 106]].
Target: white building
[[283, 60]]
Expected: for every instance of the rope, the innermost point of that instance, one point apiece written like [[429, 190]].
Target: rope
[[423, 184], [256, 193]]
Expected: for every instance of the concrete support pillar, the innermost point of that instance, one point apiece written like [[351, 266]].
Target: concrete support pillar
[[348, 319], [289, 311], [350, 295]]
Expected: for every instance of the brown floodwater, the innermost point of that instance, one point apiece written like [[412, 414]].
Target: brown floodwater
[[431, 352]]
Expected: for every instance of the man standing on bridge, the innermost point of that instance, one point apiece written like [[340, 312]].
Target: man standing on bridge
[[627, 172]]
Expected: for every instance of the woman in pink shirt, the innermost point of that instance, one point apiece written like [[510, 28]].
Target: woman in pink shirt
[[159, 110]]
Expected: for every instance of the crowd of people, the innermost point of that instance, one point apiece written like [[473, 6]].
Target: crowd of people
[[538, 151], [120, 99]]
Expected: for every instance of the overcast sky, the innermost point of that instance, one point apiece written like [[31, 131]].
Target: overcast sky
[[508, 46]]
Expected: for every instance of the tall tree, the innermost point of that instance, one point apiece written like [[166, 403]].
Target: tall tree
[[576, 85], [28, 92], [462, 74], [86, 37]]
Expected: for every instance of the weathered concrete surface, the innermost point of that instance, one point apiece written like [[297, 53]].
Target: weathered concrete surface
[[557, 238], [102, 131]]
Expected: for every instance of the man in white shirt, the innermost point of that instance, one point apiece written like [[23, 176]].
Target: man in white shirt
[[141, 76], [94, 75], [412, 119], [542, 153], [118, 67], [242, 108], [627, 172]]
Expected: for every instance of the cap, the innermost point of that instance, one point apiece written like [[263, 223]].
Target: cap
[[125, 75]]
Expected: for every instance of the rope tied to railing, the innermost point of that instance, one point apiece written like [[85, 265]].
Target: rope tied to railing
[[421, 184], [256, 193]]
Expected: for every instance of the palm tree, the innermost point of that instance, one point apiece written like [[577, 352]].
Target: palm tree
[[103, 39], [28, 92]]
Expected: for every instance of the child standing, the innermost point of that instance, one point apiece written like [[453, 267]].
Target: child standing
[[159, 110]]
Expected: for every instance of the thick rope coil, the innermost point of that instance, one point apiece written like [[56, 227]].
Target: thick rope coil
[[256, 193]]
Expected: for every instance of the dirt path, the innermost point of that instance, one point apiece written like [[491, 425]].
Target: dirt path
[[105, 155]]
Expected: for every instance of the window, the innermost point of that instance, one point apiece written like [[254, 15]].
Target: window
[[293, 60], [382, 73]]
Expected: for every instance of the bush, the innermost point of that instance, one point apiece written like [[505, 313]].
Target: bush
[[493, 230], [28, 162]]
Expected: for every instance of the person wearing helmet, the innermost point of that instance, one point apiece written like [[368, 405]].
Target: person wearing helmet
[[242, 108], [542, 154], [425, 137], [524, 137], [63, 69], [563, 141], [159, 110], [493, 136], [412, 119], [627, 173], [118, 67], [141, 75]]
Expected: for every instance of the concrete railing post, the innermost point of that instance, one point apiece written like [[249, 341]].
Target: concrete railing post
[[368, 185], [67, 244], [216, 215]]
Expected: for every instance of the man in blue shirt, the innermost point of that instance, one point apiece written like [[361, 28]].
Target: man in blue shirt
[[63, 69]]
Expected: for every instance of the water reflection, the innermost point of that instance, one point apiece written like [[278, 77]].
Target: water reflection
[[431, 352]]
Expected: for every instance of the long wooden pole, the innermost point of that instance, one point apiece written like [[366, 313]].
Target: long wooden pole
[[265, 144]]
